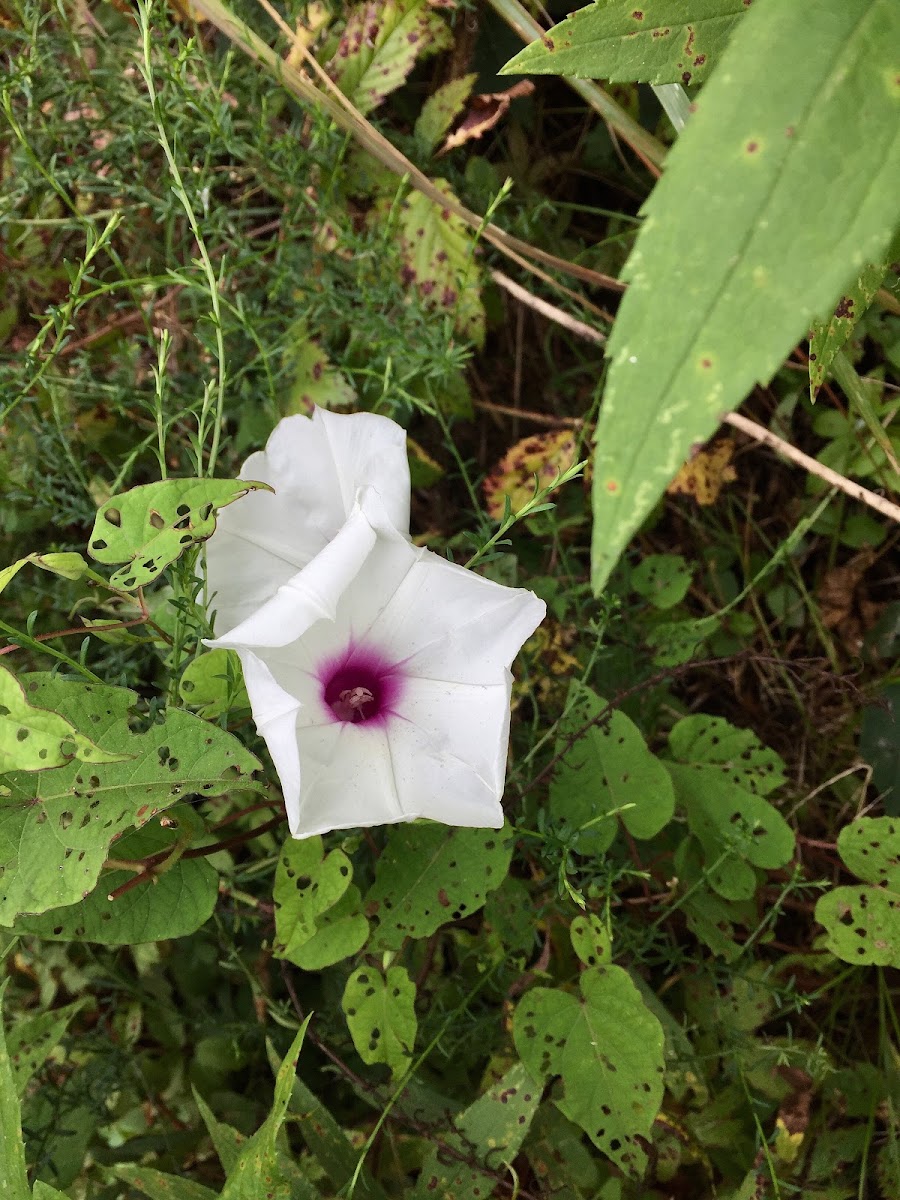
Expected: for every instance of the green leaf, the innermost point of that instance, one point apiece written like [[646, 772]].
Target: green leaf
[[32, 1040], [150, 526], [318, 917], [440, 110], [380, 46], [381, 1016], [879, 745], [608, 1048], [608, 768], [159, 1186], [827, 337], [737, 829], [428, 874], [169, 905], [56, 826], [771, 202], [12, 1149], [491, 1130], [591, 940], [663, 579], [439, 257], [863, 923], [658, 41], [739, 753], [213, 684], [315, 381], [32, 739], [257, 1173], [68, 564]]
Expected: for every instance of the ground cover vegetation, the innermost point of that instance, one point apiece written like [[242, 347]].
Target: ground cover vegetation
[[670, 973]]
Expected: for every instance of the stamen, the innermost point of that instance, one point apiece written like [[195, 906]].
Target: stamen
[[351, 703]]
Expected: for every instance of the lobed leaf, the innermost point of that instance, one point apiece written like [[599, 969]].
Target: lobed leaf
[[608, 768], [608, 1048], [56, 826], [32, 739], [863, 923], [429, 874], [657, 41], [491, 1130], [150, 526], [318, 917], [381, 1016], [762, 179]]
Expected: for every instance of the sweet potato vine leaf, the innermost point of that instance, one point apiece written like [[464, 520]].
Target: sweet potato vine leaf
[[765, 175], [56, 826], [863, 922]]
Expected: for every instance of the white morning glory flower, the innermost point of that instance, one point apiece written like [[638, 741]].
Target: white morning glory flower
[[378, 673]]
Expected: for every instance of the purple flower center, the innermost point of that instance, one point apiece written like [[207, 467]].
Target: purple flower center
[[360, 685]]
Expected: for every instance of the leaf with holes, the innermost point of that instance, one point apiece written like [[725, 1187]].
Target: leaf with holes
[[439, 260], [429, 874], [827, 337], [32, 739], [607, 767], [169, 905], [738, 753], [863, 922], [341, 932], [785, 171], [737, 829], [30, 1042], [658, 41], [313, 917], [663, 579], [591, 940], [56, 826], [213, 684], [380, 45], [151, 526], [490, 1131], [381, 1016], [608, 1048]]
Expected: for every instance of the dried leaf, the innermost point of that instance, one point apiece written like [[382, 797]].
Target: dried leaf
[[484, 112], [705, 473], [543, 455]]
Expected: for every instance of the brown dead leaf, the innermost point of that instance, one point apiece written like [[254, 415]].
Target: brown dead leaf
[[543, 455], [315, 20], [483, 113], [705, 473], [844, 604]]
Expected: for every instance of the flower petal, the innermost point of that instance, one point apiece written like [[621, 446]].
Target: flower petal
[[275, 713], [316, 466], [310, 595]]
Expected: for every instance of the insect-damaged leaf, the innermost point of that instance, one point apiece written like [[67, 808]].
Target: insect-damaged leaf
[[863, 922], [608, 1048], [428, 874], [31, 1040], [150, 526], [728, 269], [658, 41], [381, 1015], [170, 905], [32, 738], [318, 910], [12, 1148], [827, 337], [56, 826]]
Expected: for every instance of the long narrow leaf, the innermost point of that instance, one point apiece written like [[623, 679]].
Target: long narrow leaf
[[782, 186]]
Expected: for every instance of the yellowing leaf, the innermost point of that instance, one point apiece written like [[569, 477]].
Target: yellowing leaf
[[439, 259], [543, 455], [380, 45], [705, 473]]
